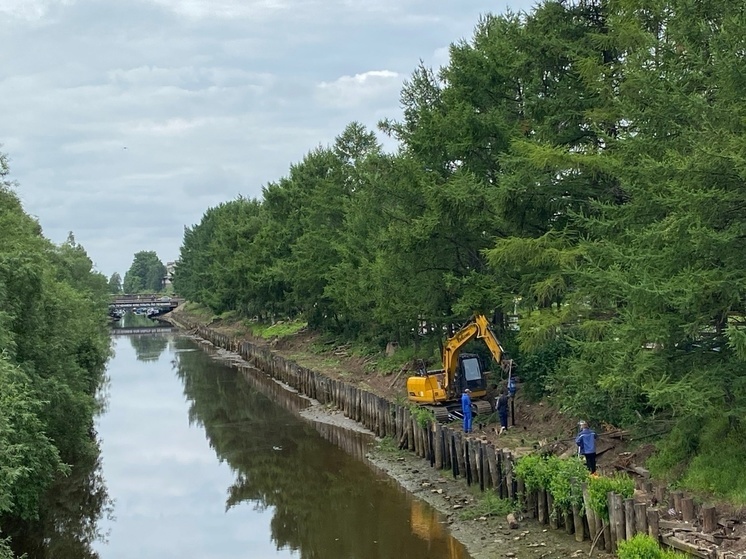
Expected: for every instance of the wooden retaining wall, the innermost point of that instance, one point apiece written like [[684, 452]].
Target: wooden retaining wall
[[481, 463]]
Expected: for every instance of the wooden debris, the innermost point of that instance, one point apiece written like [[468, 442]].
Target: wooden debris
[[692, 549], [675, 525]]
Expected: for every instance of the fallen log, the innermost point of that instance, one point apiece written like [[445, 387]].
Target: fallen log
[[675, 525], [681, 545]]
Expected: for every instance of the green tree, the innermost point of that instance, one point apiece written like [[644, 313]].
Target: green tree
[[323, 186], [53, 350], [220, 263], [585, 157], [115, 283], [29, 459], [145, 274]]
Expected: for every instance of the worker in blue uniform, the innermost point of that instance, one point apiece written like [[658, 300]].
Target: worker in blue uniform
[[466, 409]]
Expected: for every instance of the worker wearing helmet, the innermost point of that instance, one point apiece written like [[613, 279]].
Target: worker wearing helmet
[[586, 441]]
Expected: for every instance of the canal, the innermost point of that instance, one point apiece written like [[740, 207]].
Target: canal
[[201, 461]]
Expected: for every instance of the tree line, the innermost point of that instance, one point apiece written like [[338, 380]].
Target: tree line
[[54, 345], [145, 275], [582, 162]]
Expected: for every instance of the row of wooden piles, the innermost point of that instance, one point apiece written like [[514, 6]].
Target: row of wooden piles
[[478, 461], [631, 516]]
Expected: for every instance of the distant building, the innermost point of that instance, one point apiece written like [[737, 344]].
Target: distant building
[[170, 268]]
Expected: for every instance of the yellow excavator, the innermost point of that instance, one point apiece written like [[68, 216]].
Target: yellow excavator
[[440, 390]]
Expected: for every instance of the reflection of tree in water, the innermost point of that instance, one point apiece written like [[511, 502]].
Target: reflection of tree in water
[[324, 503], [149, 347], [67, 525], [132, 320]]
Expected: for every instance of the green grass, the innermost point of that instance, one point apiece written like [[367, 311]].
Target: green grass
[[228, 315], [423, 416], [488, 504], [197, 310], [388, 445], [704, 457], [279, 329], [387, 365]]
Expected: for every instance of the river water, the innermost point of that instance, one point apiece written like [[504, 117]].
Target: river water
[[201, 462]]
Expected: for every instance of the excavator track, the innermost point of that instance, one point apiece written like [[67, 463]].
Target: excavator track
[[440, 412], [483, 407]]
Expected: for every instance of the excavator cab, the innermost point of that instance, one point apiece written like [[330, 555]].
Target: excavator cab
[[471, 374]]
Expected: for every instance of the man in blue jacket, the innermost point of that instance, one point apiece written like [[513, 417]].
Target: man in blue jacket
[[466, 409], [586, 441], [502, 410]]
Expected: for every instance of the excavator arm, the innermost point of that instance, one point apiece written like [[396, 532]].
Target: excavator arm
[[486, 334], [478, 328]]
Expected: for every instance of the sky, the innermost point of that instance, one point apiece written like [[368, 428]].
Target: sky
[[124, 120]]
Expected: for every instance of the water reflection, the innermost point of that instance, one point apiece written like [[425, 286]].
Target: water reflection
[[277, 489], [67, 527], [324, 503], [149, 347], [149, 338]]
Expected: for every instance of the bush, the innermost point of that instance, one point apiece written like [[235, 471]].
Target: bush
[[538, 366], [599, 487], [566, 484], [535, 470], [644, 547], [422, 416], [562, 478]]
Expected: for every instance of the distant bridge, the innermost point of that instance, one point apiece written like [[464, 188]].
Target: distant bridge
[[161, 303], [123, 331]]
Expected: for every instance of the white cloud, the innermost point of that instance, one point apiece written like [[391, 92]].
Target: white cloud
[[169, 127], [30, 10], [211, 98], [360, 89], [226, 8], [441, 57]]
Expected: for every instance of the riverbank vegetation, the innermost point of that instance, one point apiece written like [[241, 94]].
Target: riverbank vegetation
[[581, 164], [53, 349]]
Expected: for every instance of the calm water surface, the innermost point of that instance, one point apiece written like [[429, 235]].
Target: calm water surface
[[201, 463]]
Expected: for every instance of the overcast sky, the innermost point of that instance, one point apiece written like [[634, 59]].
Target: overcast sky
[[126, 119]]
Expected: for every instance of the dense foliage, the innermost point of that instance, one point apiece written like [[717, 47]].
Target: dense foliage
[[53, 349], [145, 274], [562, 478], [583, 161], [643, 546], [599, 488]]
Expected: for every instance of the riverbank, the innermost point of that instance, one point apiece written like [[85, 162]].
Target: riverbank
[[483, 536]]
